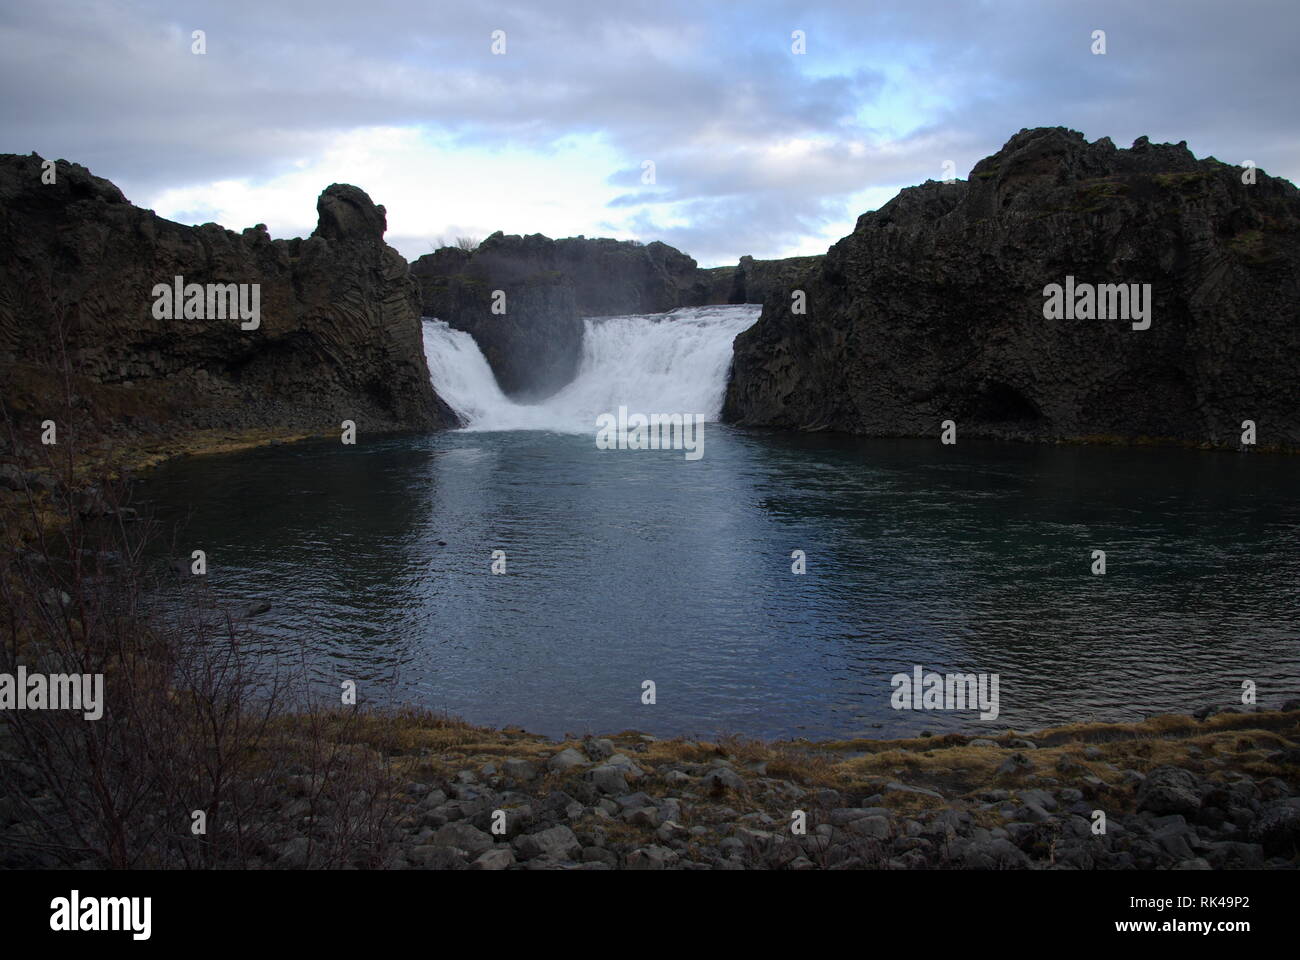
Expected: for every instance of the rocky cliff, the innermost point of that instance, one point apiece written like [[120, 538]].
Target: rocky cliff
[[753, 281], [533, 341], [522, 313], [535, 345], [337, 334], [934, 307], [608, 277]]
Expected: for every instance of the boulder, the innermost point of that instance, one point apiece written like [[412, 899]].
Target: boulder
[[555, 843], [1169, 790]]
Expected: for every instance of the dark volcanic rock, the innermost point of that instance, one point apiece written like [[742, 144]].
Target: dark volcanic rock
[[715, 285], [339, 335], [345, 212], [534, 348], [608, 277], [753, 281], [1278, 827], [932, 309], [1168, 790]]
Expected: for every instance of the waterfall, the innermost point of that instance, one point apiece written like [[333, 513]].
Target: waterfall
[[658, 363]]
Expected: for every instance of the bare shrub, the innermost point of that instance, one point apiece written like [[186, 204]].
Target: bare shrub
[[205, 754]]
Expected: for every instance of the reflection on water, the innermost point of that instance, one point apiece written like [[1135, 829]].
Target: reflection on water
[[625, 566]]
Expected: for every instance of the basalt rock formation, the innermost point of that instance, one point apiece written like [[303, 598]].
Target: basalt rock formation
[[338, 336], [533, 341], [934, 307], [523, 314], [753, 281], [608, 277], [535, 345]]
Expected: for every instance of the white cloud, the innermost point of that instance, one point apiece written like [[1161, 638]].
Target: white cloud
[[430, 187], [758, 151]]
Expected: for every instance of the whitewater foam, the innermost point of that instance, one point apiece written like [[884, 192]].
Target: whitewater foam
[[656, 363]]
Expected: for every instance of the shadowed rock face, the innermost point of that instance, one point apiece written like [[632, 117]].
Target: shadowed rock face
[[608, 277], [753, 281], [933, 308], [534, 348], [339, 335], [535, 345]]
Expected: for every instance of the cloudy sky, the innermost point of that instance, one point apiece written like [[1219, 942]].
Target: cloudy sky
[[756, 149]]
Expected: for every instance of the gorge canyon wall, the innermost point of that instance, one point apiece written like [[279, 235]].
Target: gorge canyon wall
[[933, 308], [534, 342], [338, 336]]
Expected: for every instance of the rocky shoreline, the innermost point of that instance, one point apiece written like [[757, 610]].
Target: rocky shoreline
[[1175, 792]]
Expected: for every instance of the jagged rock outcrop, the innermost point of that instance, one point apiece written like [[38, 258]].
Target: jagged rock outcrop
[[753, 281], [338, 334], [933, 308]]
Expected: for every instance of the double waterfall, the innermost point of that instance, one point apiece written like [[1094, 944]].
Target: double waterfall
[[660, 363]]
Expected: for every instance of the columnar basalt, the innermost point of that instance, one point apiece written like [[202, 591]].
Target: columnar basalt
[[933, 309], [337, 334], [542, 288]]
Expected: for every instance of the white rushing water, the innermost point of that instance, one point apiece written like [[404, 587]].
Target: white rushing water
[[659, 363]]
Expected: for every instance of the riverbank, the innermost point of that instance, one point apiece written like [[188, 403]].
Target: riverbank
[[1172, 792], [33, 485], [411, 790], [1175, 792]]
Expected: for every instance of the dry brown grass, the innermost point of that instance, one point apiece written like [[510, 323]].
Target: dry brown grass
[[946, 764], [146, 452]]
